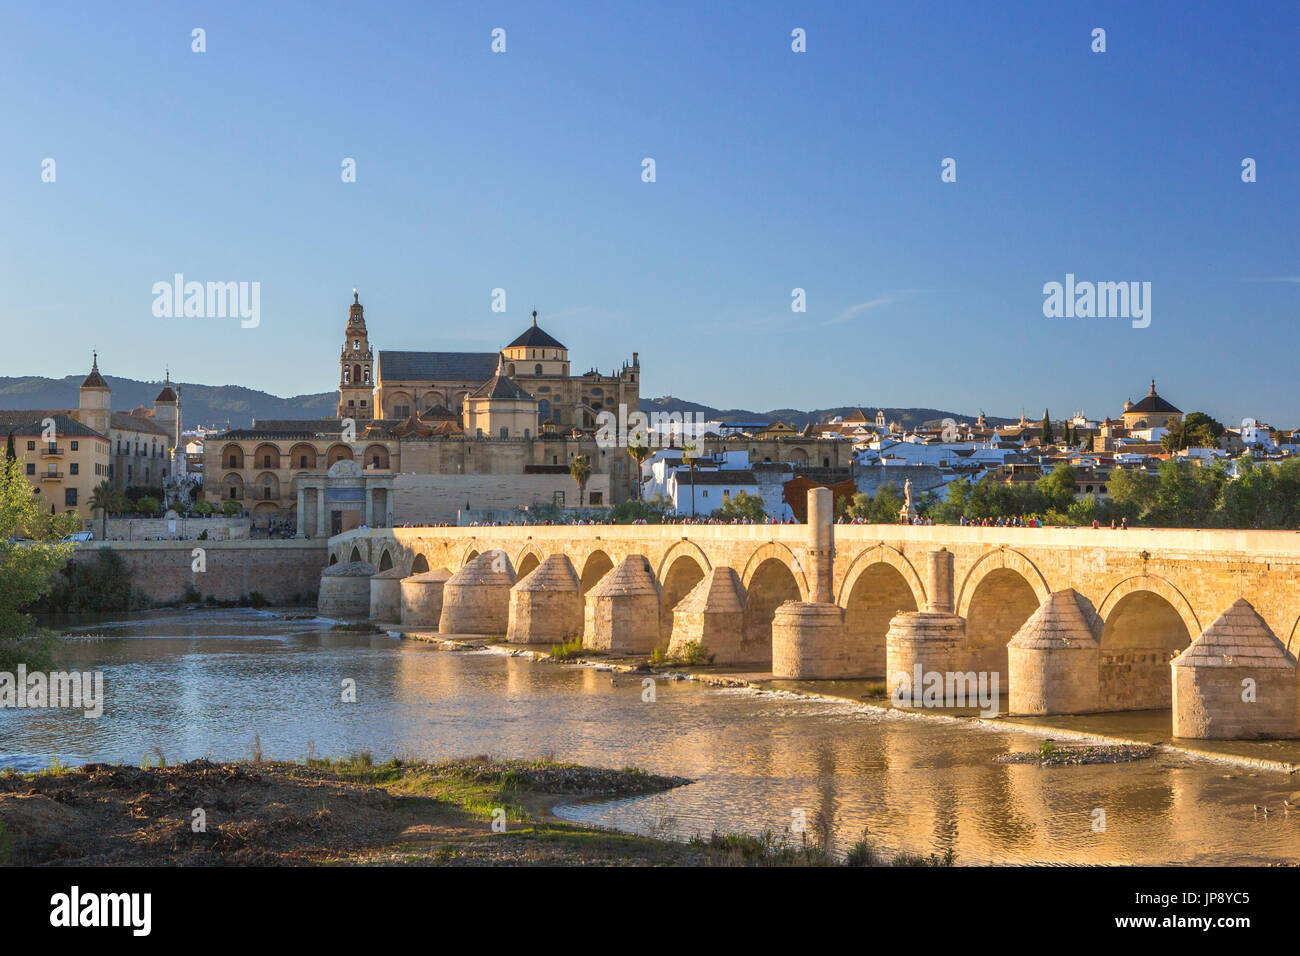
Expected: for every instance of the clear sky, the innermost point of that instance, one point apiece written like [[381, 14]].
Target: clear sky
[[775, 170]]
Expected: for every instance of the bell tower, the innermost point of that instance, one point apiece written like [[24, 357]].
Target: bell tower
[[356, 367]]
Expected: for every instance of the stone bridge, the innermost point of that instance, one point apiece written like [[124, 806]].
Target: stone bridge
[[1147, 593]]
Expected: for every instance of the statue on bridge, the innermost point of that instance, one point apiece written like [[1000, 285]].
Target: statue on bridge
[[907, 513]]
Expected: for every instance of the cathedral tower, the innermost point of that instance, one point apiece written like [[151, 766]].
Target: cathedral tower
[[356, 367]]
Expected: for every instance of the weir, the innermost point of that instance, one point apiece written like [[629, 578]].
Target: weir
[[1072, 620]]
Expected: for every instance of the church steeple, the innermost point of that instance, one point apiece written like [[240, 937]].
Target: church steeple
[[356, 367]]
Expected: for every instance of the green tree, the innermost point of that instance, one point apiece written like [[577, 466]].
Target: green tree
[[1046, 435], [27, 567], [1057, 488], [742, 505], [886, 505]]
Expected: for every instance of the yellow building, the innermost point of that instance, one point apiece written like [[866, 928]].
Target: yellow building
[[62, 458]]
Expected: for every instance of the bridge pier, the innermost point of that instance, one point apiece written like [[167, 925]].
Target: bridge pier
[[345, 590], [386, 596], [1054, 661], [622, 611], [476, 599], [1235, 681], [712, 615], [928, 641], [545, 606], [422, 598]]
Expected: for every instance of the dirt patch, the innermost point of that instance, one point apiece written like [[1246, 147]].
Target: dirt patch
[[326, 812]]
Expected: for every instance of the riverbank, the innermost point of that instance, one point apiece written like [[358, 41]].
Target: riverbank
[[468, 812], [1122, 729]]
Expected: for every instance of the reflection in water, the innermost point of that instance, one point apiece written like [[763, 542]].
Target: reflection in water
[[195, 684]]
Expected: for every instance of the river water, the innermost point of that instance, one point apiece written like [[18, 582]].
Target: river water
[[221, 683]]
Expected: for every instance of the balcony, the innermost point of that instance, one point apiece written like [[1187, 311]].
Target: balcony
[[51, 451], [51, 476]]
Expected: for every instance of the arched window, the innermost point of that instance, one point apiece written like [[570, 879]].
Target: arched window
[[537, 369]]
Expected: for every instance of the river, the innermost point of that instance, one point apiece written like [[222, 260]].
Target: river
[[223, 683]]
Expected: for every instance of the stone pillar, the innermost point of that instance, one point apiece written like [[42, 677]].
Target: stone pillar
[[386, 596], [322, 527], [1054, 661], [476, 599], [422, 598], [938, 584], [821, 543], [545, 607], [1236, 681], [301, 529], [808, 641], [712, 615], [370, 507], [919, 643], [622, 610]]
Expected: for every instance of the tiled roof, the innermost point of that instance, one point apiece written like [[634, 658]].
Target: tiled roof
[[728, 476], [536, 338], [27, 421], [503, 387], [436, 366], [126, 421]]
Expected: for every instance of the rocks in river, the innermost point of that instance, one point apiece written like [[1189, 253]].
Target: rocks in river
[[1052, 756]]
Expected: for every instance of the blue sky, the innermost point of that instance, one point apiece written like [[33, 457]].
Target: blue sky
[[775, 170]]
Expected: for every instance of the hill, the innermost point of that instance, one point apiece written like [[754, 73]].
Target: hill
[[215, 405]]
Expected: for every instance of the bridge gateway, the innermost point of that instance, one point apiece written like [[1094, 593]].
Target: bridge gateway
[[1148, 593]]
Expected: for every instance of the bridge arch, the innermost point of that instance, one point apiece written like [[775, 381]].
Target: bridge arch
[[679, 548], [772, 551], [596, 565], [419, 564], [679, 572], [990, 561], [1146, 621], [999, 593], [469, 553], [386, 560], [769, 583], [879, 584], [527, 560]]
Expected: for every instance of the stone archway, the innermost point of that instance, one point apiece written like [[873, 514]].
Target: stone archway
[[420, 564], [873, 593], [595, 567], [772, 551], [768, 585], [683, 574], [1146, 622]]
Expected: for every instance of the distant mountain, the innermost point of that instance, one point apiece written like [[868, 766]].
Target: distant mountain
[[907, 417], [206, 405], [212, 406]]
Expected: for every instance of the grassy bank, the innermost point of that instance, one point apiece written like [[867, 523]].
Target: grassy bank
[[469, 812]]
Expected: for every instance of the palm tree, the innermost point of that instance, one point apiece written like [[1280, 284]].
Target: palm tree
[[639, 454], [580, 470], [689, 458], [105, 498]]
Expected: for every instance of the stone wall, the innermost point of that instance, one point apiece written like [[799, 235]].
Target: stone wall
[[283, 571], [153, 529], [425, 499]]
